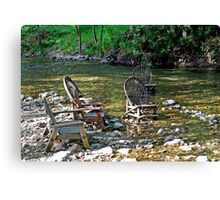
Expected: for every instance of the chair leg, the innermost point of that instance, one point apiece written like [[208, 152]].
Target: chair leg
[[101, 121], [46, 131], [84, 137], [52, 139]]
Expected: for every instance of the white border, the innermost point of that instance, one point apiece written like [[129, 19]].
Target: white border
[[92, 180]]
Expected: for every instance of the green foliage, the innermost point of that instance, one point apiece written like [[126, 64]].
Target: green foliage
[[136, 40]]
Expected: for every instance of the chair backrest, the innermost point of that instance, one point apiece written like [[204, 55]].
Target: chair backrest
[[49, 112], [68, 80], [72, 91], [134, 91], [143, 73]]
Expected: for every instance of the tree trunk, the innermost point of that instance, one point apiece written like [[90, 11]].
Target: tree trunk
[[94, 34], [78, 33], [101, 31]]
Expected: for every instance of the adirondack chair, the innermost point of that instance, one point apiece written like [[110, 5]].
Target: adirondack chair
[[145, 75], [64, 130], [90, 113], [137, 104]]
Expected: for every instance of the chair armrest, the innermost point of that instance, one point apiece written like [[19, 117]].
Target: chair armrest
[[147, 105], [92, 104], [77, 110]]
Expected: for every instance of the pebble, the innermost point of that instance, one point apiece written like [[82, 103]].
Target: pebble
[[124, 150], [202, 159], [169, 138], [174, 142], [169, 102], [185, 148], [118, 125], [177, 130], [104, 151], [57, 156], [161, 130], [148, 146]]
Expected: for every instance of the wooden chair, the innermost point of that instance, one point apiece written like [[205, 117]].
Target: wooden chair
[[64, 130], [137, 104], [145, 75], [90, 113]]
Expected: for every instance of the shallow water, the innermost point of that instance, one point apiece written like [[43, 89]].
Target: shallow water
[[195, 89]]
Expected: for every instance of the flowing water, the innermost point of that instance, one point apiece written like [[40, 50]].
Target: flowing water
[[196, 89]]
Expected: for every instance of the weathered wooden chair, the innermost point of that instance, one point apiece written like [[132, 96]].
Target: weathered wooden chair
[[137, 104], [90, 113], [64, 130], [145, 75]]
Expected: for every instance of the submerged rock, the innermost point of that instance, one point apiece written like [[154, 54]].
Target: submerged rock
[[169, 102]]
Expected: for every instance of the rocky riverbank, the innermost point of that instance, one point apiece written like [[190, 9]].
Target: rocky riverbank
[[117, 144]]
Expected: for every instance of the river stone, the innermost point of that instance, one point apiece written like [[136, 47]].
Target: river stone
[[202, 118], [118, 125], [103, 151], [29, 99], [170, 138], [161, 130], [202, 159], [174, 142], [169, 102], [177, 131], [185, 148], [59, 156], [124, 150], [213, 122], [148, 146]]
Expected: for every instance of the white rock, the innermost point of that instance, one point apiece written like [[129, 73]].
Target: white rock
[[183, 107], [148, 146], [202, 118], [103, 151], [124, 151], [202, 159], [169, 102], [177, 130], [173, 142], [58, 156], [161, 130], [128, 160], [185, 148], [169, 138]]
